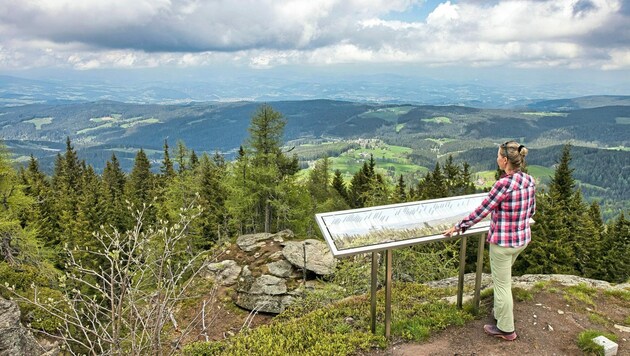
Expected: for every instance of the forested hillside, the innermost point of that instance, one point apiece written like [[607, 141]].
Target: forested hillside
[[100, 259], [430, 133]]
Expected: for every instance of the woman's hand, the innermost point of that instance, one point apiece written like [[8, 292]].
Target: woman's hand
[[449, 232]]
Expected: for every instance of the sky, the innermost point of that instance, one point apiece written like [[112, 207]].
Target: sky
[[551, 39]]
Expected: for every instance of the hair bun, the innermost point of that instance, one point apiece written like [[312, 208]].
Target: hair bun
[[522, 150]]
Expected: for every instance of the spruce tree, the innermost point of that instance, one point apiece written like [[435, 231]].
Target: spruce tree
[[17, 244], [339, 186], [139, 187], [181, 154], [113, 181], [562, 184], [615, 261], [400, 194], [167, 170]]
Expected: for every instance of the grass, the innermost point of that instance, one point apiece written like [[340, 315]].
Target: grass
[[588, 346], [438, 120], [544, 113], [387, 114], [619, 294], [580, 292], [521, 295], [99, 127], [388, 158], [597, 319], [139, 122], [40, 121], [343, 328], [440, 141], [540, 171]]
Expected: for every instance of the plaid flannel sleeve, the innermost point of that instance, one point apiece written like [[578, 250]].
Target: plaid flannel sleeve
[[497, 194]]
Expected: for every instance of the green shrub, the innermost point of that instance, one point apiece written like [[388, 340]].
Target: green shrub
[[316, 327], [203, 348], [39, 318], [23, 276], [588, 346]]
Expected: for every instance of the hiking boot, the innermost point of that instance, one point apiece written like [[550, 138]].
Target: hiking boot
[[494, 331]]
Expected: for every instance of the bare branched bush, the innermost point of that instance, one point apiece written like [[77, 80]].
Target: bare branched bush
[[121, 298]]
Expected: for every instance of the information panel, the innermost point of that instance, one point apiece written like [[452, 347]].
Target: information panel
[[377, 228]]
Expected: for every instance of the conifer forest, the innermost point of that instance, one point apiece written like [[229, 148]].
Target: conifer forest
[[92, 249]]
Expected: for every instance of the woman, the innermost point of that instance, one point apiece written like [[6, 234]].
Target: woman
[[511, 203]]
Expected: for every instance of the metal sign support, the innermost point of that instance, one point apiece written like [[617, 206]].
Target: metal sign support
[[373, 290], [482, 240], [388, 292], [462, 266], [388, 282]]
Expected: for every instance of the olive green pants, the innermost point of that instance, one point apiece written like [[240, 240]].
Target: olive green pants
[[501, 261]]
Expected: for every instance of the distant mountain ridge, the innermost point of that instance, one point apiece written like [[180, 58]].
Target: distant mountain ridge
[[101, 127], [585, 102]]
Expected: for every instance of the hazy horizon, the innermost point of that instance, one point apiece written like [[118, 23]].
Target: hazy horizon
[[529, 49]]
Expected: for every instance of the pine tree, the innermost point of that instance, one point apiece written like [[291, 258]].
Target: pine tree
[[451, 174], [17, 244], [359, 187], [42, 216], [212, 196], [269, 164], [438, 188], [562, 184], [67, 189], [339, 186], [181, 153], [167, 170], [194, 160], [140, 189], [400, 194], [113, 181], [615, 261], [90, 209]]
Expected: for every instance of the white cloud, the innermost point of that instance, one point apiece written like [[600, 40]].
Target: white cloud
[[266, 33]]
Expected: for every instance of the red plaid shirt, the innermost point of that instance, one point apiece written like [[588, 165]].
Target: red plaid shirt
[[512, 203]]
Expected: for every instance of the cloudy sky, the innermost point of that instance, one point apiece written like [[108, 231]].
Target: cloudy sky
[[582, 35]]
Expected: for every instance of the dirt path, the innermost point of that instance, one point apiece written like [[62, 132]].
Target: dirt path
[[546, 325]]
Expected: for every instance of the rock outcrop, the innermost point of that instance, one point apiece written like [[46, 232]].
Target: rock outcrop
[[268, 272], [15, 340]]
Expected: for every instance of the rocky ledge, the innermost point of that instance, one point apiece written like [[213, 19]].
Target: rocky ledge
[[269, 270]]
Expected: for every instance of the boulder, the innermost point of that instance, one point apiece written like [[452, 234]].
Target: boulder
[[267, 284], [283, 235], [14, 338], [280, 268], [264, 303], [252, 242], [226, 272], [319, 259]]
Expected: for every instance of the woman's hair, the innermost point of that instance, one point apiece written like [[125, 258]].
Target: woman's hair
[[515, 153]]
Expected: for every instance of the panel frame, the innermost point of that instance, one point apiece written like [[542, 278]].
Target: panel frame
[[328, 234]]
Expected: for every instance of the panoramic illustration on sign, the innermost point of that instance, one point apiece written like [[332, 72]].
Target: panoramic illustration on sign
[[358, 228]]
